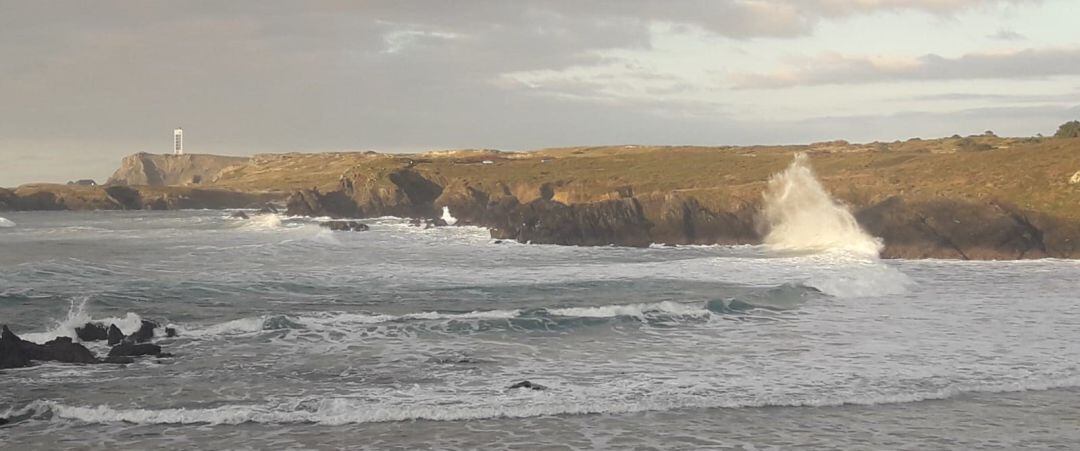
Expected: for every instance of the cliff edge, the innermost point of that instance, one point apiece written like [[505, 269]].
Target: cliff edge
[[171, 170]]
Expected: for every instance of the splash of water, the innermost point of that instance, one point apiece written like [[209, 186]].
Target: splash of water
[[446, 216], [802, 216], [5, 222]]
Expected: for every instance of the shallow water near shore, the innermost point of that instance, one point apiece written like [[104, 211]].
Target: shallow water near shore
[[295, 336]]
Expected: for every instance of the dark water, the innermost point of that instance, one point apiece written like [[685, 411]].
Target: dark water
[[292, 336]]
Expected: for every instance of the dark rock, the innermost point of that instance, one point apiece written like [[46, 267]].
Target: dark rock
[[129, 349], [498, 242], [614, 222], [528, 385], [11, 351], [114, 336], [683, 220], [61, 349], [92, 332], [145, 332], [118, 359], [416, 222], [436, 222], [239, 215], [170, 332], [951, 229], [310, 202], [345, 226]]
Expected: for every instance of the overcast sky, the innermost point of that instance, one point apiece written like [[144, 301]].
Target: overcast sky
[[83, 83]]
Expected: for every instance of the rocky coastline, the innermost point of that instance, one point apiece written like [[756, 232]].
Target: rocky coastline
[[922, 198]]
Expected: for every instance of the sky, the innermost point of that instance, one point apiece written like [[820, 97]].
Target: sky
[[84, 83]]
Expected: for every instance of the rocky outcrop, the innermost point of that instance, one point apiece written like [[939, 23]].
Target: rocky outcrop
[[17, 353], [395, 191], [683, 220], [962, 230], [92, 332], [118, 197], [114, 335], [311, 202], [345, 226], [171, 170], [541, 221]]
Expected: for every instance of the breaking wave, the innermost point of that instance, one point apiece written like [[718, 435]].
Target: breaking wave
[[557, 401], [802, 216], [446, 216], [5, 222], [78, 316]]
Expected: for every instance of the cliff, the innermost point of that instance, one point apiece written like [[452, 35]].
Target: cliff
[[120, 197], [171, 170], [980, 197]]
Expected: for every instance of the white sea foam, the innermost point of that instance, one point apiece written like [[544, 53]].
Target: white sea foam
[[78, 316], [633, 310], [802, 216], [559, 401], [5, 222], [446, 216]]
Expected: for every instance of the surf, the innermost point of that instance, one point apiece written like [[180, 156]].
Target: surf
[[801, 215]]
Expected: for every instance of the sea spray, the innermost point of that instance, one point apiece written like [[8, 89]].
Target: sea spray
[[446, 216], [801, 215], [5, 222]]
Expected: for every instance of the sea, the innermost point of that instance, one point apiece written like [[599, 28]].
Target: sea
[[292, 336]]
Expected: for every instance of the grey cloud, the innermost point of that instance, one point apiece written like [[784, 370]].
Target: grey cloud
[[87, 82], [837, 70]]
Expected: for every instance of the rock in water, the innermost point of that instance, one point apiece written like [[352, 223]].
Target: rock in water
[[118, 359], [62, 349], [128, 349], [239, 215], [345, 226], [92, 332], [114, 335], [145, 332], [170, 332], [527, 384], [11, 352]]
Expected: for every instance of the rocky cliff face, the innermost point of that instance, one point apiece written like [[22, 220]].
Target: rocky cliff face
[[935, 229], [171, 170], [120, 197]]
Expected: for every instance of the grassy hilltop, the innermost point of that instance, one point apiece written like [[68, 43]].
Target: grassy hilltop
[[1032, 173]]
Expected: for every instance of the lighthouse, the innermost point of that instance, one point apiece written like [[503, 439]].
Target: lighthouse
[[178, 141]]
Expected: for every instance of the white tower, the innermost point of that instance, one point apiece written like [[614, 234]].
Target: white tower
[[178, 141]]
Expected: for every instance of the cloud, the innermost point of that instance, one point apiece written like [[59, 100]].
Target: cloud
[[1007, 35], [833, 69]]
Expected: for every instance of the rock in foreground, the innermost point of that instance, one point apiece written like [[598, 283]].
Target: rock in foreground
[[345, 226]]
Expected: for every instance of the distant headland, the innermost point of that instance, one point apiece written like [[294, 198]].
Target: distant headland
[[974, 197]]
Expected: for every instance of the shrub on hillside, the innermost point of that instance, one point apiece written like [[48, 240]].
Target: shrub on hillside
[[1068, 130]]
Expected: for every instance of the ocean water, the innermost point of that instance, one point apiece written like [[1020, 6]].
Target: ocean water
[[292, 336]]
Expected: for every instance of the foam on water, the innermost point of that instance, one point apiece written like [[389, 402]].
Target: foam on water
[[522, 404], [446, 216], [802, 216], [5, 222], [78, 316]]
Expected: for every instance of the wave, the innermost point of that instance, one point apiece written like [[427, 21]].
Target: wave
[[78, 316], [5, 222], [784, 297], [802, 216], [557, 401], [446, 216]]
